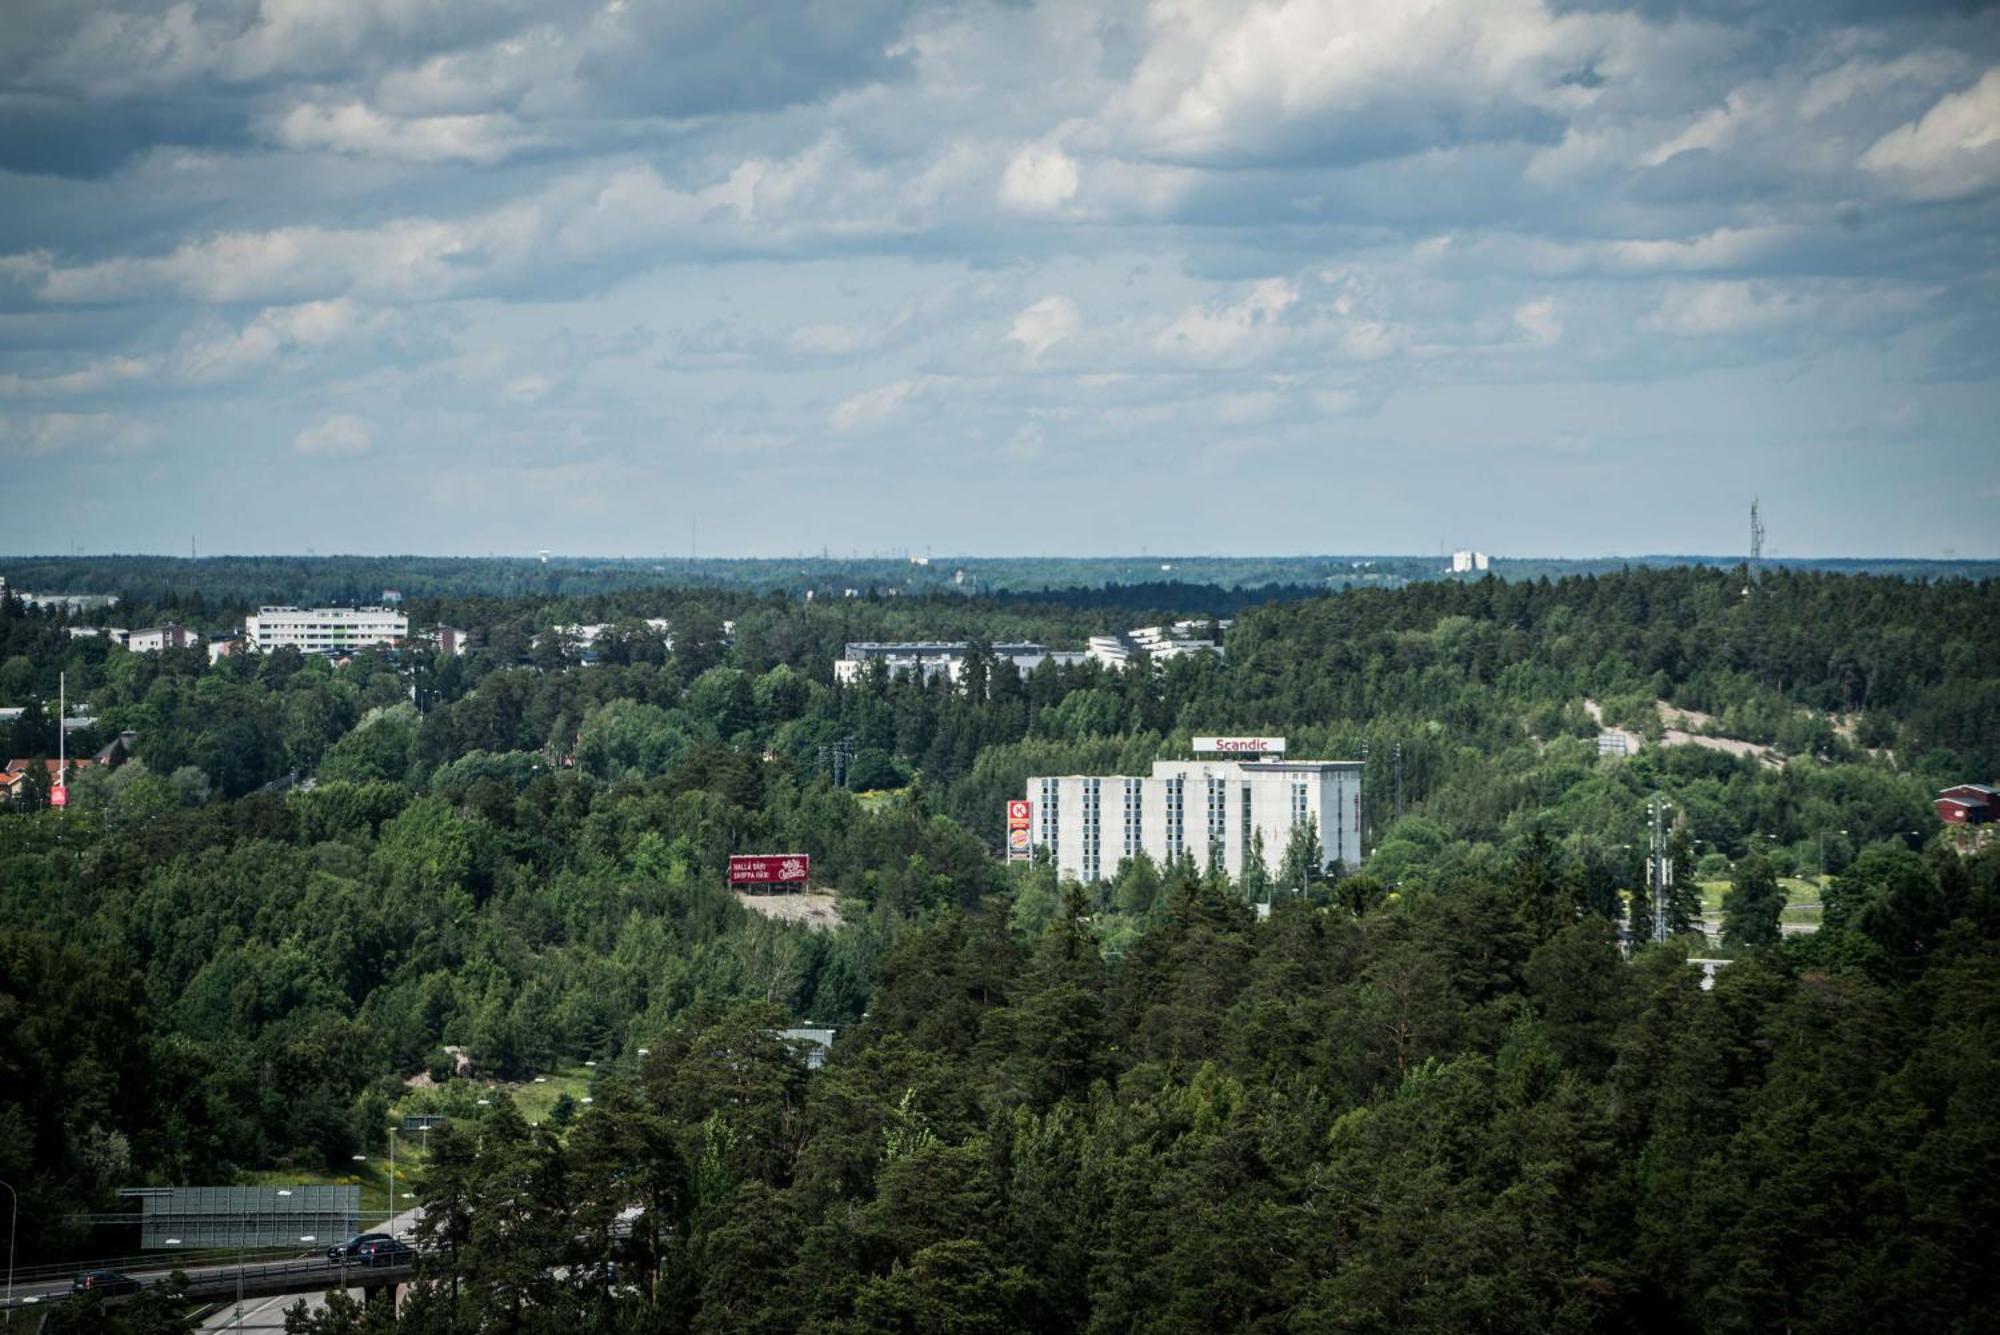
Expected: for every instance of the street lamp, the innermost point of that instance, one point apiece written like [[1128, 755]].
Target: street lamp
[[13, 1222], [392, 1182]]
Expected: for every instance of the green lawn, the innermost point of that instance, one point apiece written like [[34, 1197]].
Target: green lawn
[[372, 1177], [1802, 899]]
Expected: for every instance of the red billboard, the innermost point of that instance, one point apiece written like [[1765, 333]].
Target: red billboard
[[59, 796], [770, 869]]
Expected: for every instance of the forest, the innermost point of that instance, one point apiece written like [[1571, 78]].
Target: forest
[[1438, 1093]]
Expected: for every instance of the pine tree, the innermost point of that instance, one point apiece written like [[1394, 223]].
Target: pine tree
[[1684, 907]]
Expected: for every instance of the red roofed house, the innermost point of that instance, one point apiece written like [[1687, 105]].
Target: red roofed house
[[1968, 804], [14, 779]]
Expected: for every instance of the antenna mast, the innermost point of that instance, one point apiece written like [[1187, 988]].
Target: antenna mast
[[1756, 544]]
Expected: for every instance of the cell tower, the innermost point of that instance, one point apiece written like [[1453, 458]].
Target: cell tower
[[1756, 545], [1660, 870]]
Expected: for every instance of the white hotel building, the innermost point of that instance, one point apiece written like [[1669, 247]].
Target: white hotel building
[[1090, 823], [324, 630]]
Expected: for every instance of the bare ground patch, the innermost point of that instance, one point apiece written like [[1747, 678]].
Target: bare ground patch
[[817, 910]]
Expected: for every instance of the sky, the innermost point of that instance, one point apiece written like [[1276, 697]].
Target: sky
[[1269, 276]]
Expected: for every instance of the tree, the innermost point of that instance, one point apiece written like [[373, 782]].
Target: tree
[[1753, 904]]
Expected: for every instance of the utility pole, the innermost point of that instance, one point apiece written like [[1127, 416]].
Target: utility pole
[[1398, 756]]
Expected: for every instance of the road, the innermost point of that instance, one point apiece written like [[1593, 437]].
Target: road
[[299, 1273], [269, 1313]]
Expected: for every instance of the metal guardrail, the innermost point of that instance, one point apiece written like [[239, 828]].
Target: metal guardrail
[[296, 1275]]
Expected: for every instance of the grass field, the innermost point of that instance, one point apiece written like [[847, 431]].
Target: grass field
[[1802, 899]]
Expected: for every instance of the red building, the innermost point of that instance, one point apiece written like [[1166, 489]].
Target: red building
[[1968, 804]]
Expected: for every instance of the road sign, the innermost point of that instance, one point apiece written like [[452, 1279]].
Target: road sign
[[59, 795], [770, 869]]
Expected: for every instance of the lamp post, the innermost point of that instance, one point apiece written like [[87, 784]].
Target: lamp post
[[13, 1222], [392, 1182]]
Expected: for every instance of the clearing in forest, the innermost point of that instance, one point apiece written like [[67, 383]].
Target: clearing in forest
[[815, 909]]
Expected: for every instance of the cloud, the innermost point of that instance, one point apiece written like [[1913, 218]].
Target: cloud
[[1537, 319], [1206, 333], [1952, 152], [61, 433], [872, 407], [340, 435], [1304, 79], [1044, 324], [1041, 178], [357, 129]]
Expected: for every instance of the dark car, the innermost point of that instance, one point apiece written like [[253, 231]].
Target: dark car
[[105, 1282], [351, 1250], [385, 1251]]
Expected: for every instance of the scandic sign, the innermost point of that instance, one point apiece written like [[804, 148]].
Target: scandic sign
[[1251, 746], [770, 869]]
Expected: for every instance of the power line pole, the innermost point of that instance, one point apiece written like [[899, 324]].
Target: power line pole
[[1398, 757]]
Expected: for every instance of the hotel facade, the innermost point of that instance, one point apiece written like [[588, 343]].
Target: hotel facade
[[1204, 809]]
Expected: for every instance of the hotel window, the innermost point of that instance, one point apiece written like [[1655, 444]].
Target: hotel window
[[1051, 817], [1131, 817], [1092, 804], [1246, 821], [1176, 815], [1218, 816]]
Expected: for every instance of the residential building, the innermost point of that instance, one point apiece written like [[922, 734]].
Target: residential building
[[222, 646], [155, 638], [1159, 643], [452, 640], [1968, 804], [116, 634], [325, 630], [1466, 562], [930, 659], [1205, 809], [14, 779]]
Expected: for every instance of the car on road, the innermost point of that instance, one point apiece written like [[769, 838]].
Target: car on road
[[104, 1281], [367, 1249]]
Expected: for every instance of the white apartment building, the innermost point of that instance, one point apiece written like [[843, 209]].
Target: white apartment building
[[1466, 562], [153, 639], [324, 630], [930, 659], [1090, 823]]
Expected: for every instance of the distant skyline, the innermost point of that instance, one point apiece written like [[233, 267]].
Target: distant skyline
[[1000, 279]]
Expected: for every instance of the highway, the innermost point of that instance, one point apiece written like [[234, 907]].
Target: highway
[[267, 1285]]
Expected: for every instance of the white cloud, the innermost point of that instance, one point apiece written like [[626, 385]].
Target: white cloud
[[1952, 152], [1044, 324], [1222, 78], [42, 434], [355, 128], [341, 434], [1208, 333], [275, 331], [871, 407], [1539, 321], [1041, 178], [1702, 309]]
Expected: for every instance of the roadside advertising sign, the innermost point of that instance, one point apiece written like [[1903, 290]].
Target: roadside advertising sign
[[59, 795], [770, 869], [1020, 815]]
